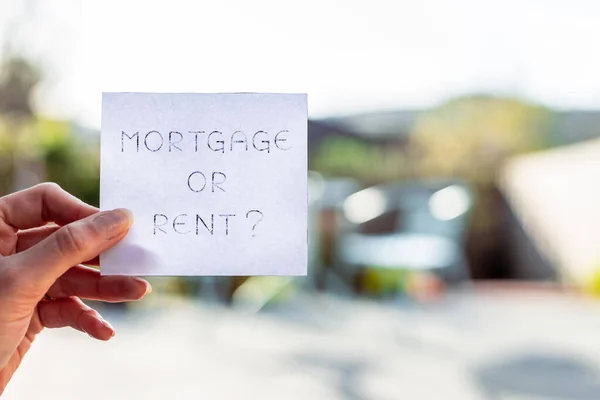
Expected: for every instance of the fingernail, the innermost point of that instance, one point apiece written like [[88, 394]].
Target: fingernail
[[113, 222], [145, 282]]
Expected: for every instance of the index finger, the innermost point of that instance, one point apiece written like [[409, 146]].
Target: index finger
[[40, 204]]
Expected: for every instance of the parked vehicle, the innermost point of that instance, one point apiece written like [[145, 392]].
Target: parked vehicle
[[416, 226]]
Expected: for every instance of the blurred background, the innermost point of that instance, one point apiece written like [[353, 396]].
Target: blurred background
[[454, 192]]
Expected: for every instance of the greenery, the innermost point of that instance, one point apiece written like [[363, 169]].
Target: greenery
[[467, 137], [53, 152], [367, 162], [471, 136], [35, 149]]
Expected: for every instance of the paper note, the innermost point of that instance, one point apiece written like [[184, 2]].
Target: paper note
[[217, 183]]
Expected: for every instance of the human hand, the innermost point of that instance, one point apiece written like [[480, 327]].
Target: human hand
[[41, 276]]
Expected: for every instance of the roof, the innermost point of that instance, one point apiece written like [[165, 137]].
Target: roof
[[571, 126], [575, 126], [377, 125]]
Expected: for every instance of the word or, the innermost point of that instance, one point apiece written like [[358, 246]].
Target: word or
[[197, 181], [155, 141]]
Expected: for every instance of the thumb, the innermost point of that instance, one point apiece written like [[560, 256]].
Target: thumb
[[72, 244]]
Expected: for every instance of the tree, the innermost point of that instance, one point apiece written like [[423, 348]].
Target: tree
[[18, 79], [471, 136]]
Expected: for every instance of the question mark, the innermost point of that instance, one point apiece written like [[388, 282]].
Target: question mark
[[260, 219]]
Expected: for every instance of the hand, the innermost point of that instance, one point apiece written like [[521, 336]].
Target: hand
[[41, 276]]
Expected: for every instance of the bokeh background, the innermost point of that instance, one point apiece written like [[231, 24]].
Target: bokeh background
[[454, 196]]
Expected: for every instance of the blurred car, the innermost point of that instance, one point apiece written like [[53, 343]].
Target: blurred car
[[405, 227]]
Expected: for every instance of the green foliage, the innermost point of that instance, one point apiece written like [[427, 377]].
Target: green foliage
[[471, 136], [69, 161], [34, 149], [367, 162], [53, 150], [18, 78], [466, 137]]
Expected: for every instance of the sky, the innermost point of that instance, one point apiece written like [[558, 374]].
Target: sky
[[349, 56]]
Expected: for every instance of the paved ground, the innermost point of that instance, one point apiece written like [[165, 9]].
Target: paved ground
[[470, 346]]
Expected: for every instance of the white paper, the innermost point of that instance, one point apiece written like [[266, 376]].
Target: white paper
[[205, 204]]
